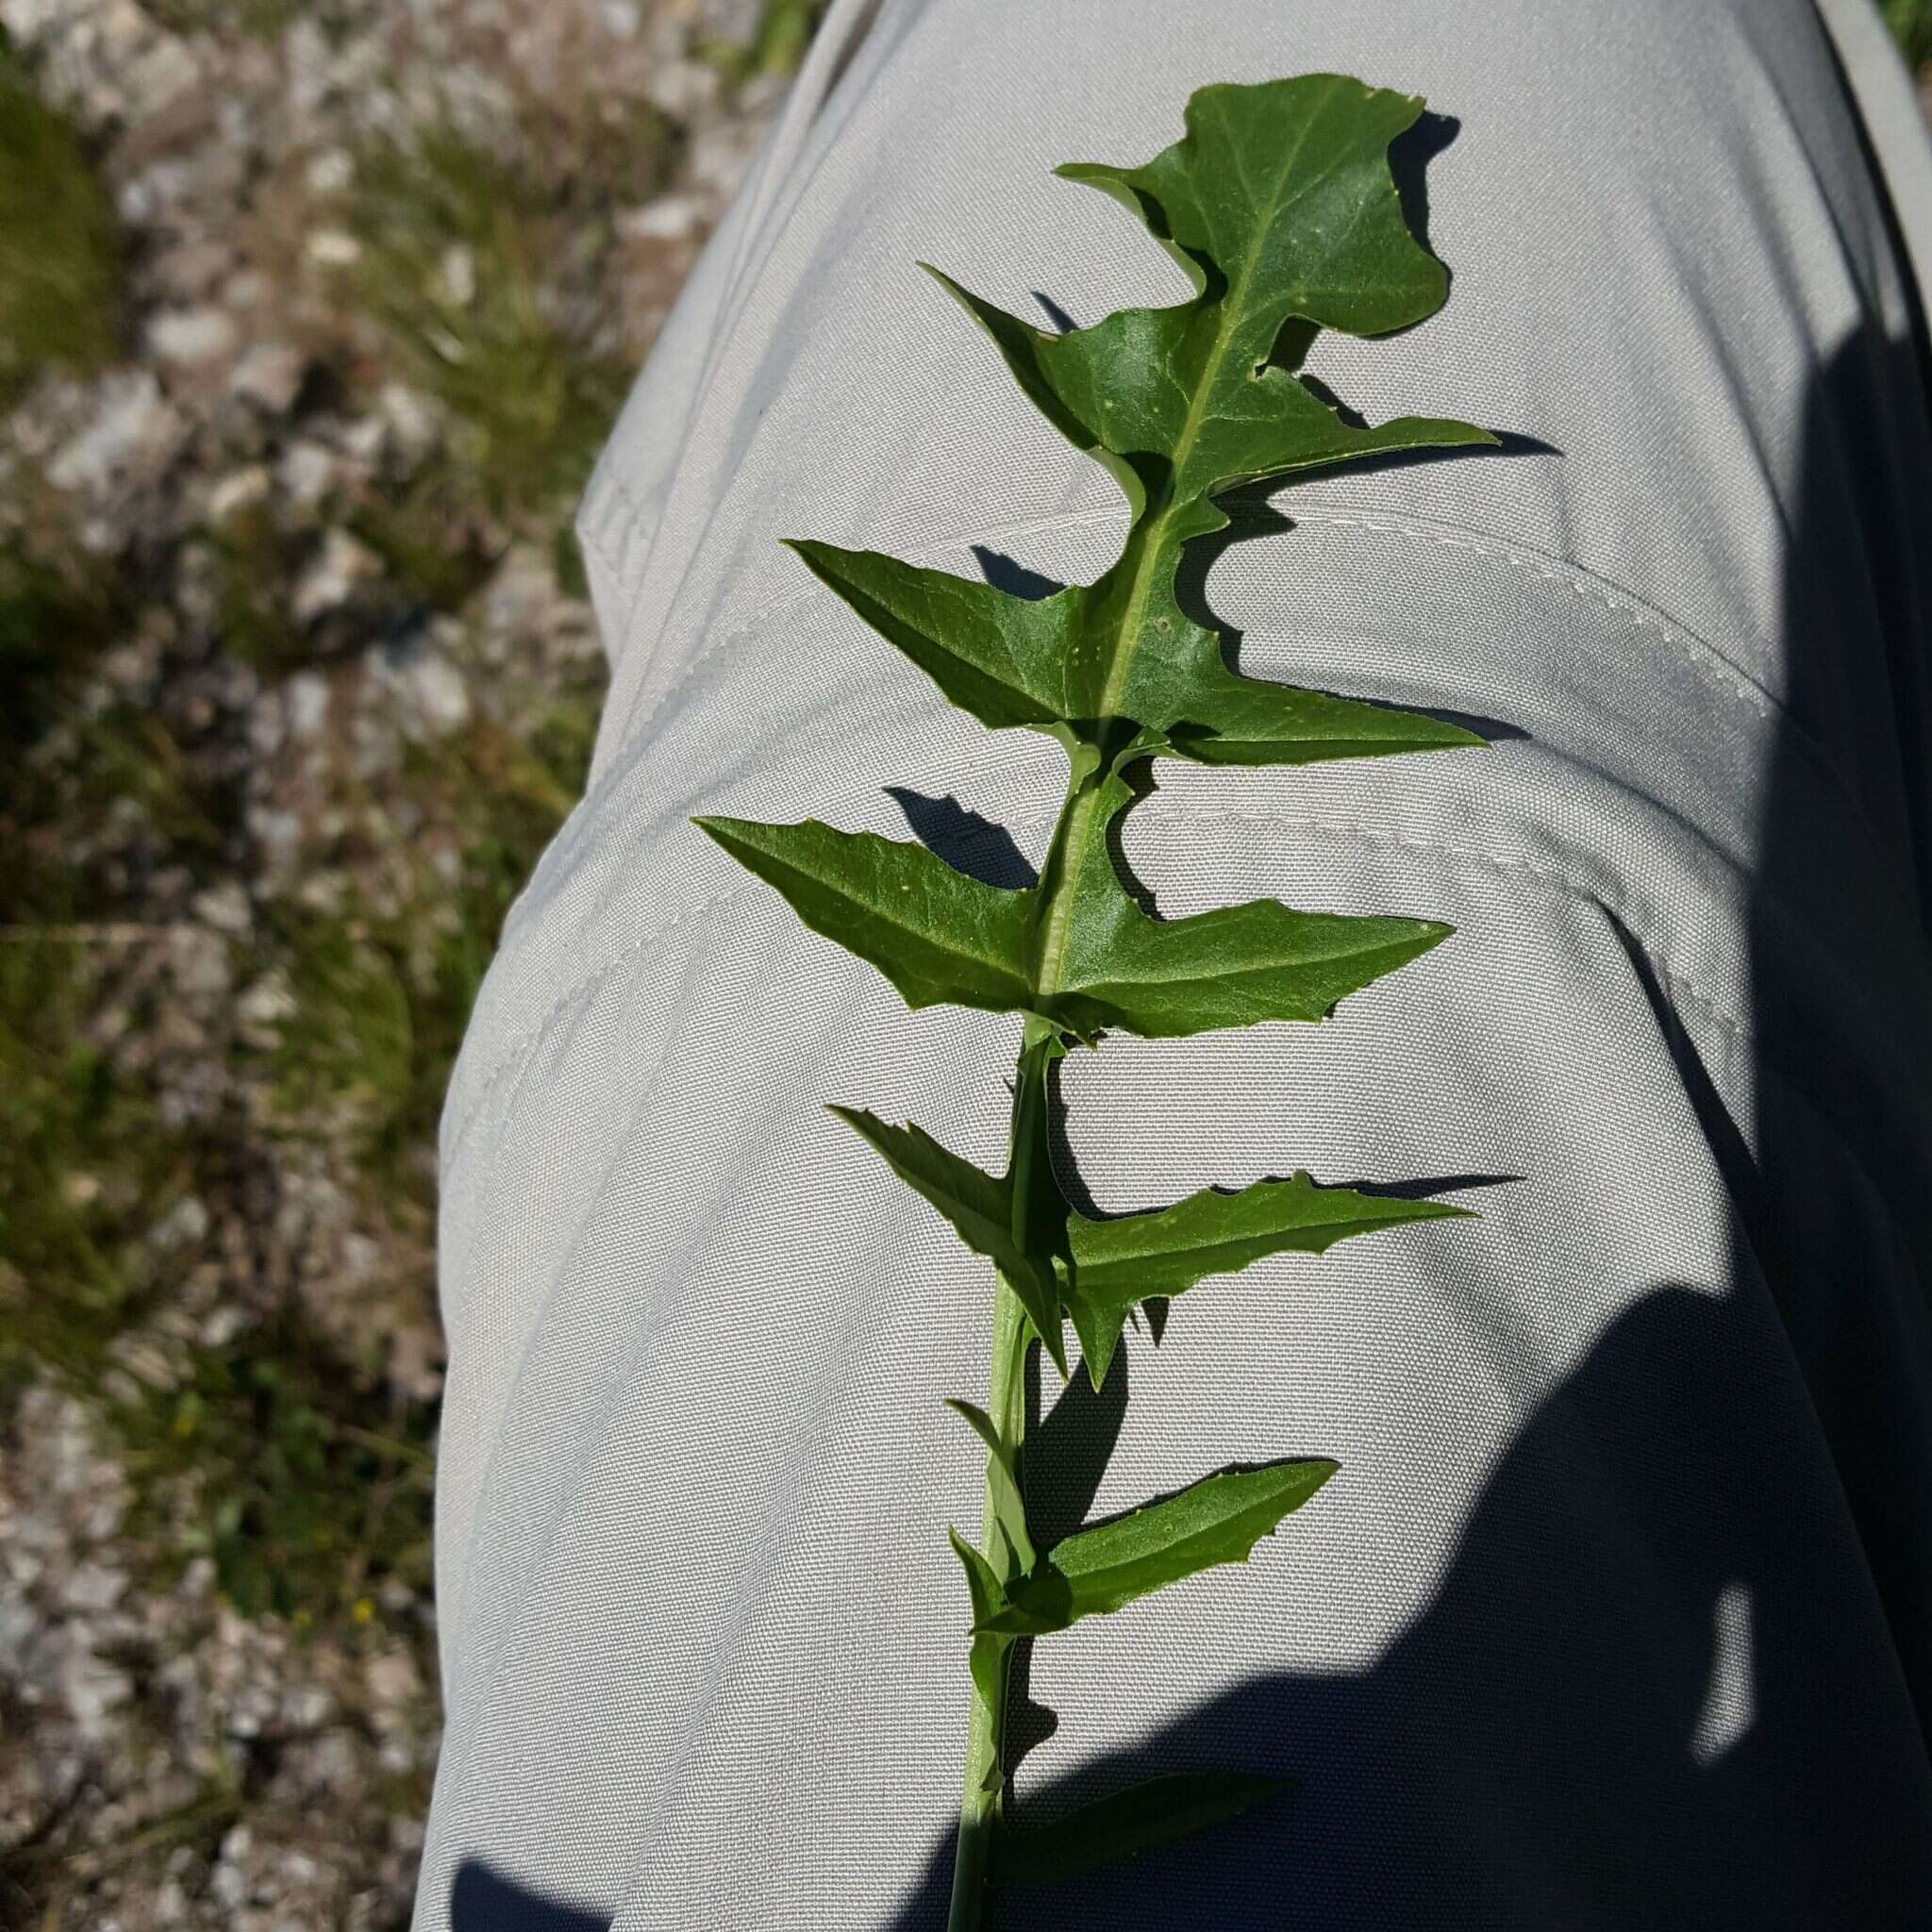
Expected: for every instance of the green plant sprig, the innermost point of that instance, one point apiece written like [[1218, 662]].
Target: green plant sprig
[[1280, 206]]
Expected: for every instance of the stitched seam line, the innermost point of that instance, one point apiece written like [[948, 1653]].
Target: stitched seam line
[[1706, 660], [1588, 584], [1276, 821], [609, 554]]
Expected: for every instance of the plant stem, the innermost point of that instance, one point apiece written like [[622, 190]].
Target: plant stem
[[983, 1792]]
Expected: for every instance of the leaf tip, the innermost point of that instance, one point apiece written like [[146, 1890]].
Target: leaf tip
[[1056, 1347]]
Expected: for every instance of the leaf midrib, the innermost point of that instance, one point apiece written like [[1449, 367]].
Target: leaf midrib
[[1151, 549]]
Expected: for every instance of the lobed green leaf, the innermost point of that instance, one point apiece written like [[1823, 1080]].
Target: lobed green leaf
[[1113, 1265], [940, 936], [1003, 1482], [996, 656], [1094, 1572], [1216, 1520], [979, 1206]]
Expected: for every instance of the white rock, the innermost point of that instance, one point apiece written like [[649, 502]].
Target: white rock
[[192, 338], [278, 834], [333, 577], [307, 696], [458, 272], [721, 154], [307, 1706], [226, 1323], [307, 472], [199, 961], [225, 908], [185, 1224], [306, 49], [247, 288], [430, 689], [670, 218], [135, 432], [161, 75], [329, 172], [392, 1681], [332, 248], [410, 418], [268, 724], [270, 376], [682, 88], [237, 492], [93, 1588], [228, 1881], [365, 439], [92, 1689]]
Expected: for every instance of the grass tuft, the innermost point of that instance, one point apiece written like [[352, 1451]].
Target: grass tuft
[[453, 243], [1910, 21], [60, 296]]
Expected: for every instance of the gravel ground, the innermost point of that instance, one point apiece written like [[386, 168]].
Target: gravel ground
[[312, 320]]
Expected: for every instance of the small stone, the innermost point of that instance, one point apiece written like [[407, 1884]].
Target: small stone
[[246, 287], [224, 1324], [459, 273], [393, 1680], [431, 688], [134, 432], [311, 64], [307, 695], [410, 417], [201, 970], [670, 218], [332, 578], [225, 908], [228, 1881], [92, 1689], [192, 338], [278, 834], [307, 472], [270, 376], [237, 493], [365, 439], [189, 273], [307, 1706], [333, 248], [682, 89], [184, 1225], [161, 75], [93, 1588], [720, 157], [268, 724], [329, 172]]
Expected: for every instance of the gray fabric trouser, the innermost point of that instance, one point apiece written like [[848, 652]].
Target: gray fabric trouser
[[1621, 1611]]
